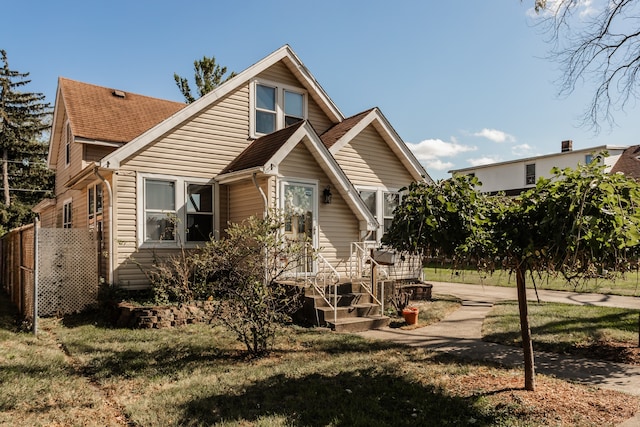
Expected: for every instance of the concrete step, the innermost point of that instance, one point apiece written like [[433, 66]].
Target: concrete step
[[359, 324], [325, 314]]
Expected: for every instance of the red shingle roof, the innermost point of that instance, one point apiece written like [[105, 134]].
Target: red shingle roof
[[337, 131], [98, 113], [262, 149]]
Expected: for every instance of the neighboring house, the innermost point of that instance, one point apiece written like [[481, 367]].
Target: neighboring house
[[270, 137], [515, 176]]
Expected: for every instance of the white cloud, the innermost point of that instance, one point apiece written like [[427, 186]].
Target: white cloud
[[585, 8], [432, 149], [495, 135], [522, 150], [485, 160], [438, 165]]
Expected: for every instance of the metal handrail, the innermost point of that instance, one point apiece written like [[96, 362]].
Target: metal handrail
[[325, 273], [335, 279], [369, 290]]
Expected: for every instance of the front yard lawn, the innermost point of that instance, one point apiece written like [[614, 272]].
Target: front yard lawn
[[599, 332], [79, 372]]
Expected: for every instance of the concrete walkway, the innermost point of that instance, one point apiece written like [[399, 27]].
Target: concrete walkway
[[460, 334]]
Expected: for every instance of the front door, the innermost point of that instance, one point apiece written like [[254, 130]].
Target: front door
[[301, 212]]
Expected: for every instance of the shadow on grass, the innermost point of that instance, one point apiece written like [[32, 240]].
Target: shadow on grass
[[10, 318], [357, 398]]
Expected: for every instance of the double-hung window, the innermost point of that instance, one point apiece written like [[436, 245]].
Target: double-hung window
[[199, 212], [266, 113], [67, 214], [381, 204], [159, 210], [175, 210], [275, 107], [530, 174]]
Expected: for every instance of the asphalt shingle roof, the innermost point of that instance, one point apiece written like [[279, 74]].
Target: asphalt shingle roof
[[333, 134], [628, 162], [97, 113], [262, 149]]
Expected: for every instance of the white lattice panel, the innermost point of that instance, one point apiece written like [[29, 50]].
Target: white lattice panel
[[26, 270], [67, 270]]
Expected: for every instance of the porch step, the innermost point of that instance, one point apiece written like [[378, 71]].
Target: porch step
[[325, 314], [359, 324]]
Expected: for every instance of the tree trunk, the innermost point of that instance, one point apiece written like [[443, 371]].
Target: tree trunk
[[527, 345], [5, 177]]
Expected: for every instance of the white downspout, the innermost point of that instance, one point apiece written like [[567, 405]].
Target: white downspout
[[264, 197], [111, 245]]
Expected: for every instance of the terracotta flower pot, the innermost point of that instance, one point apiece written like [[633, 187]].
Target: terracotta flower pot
[[410, 315]]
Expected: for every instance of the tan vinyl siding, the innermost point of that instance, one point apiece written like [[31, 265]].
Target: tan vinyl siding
[[202, 146], [368, 160], [338, 225], [128, 273], [48, 217], [245, 200], [64, 172]]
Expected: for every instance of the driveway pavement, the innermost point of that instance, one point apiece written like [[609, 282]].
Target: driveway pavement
[[460, 334]]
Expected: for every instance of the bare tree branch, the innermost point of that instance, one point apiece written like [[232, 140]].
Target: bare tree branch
[[600, 48]]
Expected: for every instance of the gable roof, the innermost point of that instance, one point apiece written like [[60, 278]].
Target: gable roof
[[261, 150], [334, 133], [342, 133], [284, 54], [103, 114], [265, 154], [629, 162]]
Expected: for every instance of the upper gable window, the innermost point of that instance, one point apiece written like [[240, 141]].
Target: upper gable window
[[275, 106]]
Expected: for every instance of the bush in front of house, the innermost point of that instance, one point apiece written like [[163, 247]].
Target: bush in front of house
[[244, 274]]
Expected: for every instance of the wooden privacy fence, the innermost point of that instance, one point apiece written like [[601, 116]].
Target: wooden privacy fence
[[58, 265]]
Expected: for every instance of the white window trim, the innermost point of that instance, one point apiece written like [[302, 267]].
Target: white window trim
[[65, 203], [280, 88], [379, 215], [68, 137], [180, 188]]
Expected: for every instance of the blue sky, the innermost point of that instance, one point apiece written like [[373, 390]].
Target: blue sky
[[462, 82]]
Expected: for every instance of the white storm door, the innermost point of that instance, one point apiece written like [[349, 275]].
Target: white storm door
[[300, 206]]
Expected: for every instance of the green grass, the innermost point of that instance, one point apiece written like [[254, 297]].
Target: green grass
[[563, 327], [80, 372], [629, 284]]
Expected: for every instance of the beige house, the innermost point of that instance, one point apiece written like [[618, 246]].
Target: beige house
[[270, 137]]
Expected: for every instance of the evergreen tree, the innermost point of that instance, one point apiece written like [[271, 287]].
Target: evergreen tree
[[208, 76], [24, 116]]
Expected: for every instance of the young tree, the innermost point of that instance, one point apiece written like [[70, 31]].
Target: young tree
[[580, 223], [208, 76], [599, 42], [246, 269], [24, 116]]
